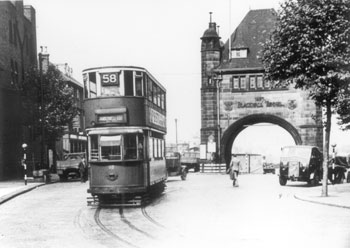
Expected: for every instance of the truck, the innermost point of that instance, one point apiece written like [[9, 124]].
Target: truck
[[69, 166], [190, 159]]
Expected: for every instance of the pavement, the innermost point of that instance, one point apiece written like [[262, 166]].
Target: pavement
[[12, 188], [338, 194]]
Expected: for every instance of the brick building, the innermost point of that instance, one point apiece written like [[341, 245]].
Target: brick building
[[17, 52], [234, 94]]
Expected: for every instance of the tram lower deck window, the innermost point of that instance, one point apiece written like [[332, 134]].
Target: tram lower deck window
[[110, 147], [116, 147]]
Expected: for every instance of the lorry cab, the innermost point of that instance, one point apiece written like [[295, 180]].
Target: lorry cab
[[300, 163]]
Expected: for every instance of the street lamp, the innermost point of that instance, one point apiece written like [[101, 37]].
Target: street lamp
[[24, 163]]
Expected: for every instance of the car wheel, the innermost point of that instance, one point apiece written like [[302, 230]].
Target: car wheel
[[283, 181], [184, 175], [63, 177], [315, 181]]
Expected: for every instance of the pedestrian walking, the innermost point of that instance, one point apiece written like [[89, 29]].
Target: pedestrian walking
[[233, 170], [82, 170]]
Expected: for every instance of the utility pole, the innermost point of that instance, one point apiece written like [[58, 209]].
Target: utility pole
[[42, 143], [176, 134]]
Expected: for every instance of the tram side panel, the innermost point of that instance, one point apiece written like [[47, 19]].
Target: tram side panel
[[157, 170]]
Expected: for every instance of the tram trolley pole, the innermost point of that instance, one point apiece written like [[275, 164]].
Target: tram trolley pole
[[24, 146]]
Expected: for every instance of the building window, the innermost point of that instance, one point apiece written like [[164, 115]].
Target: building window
[[10, 32], [259, 82], [235, 83], [14, 72], [267, 84], [15, 28], [252, 82], [239, 53], [243, 83]]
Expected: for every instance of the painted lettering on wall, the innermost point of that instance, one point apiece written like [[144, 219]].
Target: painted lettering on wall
[[261, 102]]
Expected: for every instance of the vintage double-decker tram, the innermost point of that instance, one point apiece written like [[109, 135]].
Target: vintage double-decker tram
[[125, 116]]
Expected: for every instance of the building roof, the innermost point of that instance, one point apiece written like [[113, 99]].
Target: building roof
[[210, 32], [66, 75], [72, 80], [251, 34]]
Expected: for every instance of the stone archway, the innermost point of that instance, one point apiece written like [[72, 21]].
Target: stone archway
[[238, 126]]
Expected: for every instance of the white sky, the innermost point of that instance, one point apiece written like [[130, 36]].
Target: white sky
[[162, 36]]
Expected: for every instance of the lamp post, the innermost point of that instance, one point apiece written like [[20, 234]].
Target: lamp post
[[176, 133], [24, 162]]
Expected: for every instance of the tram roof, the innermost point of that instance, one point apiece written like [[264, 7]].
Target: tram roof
[[119, 130], [125, 67]]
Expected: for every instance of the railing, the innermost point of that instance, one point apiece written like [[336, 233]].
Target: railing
[[213, 168]]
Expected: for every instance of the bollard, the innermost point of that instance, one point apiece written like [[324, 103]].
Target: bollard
[[25, 173]]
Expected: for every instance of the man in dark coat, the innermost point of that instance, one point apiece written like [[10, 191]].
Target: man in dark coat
[[82, 170]]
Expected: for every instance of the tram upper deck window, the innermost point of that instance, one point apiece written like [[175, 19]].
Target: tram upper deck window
[[149, 89], [138, 83], [92, 85], [111, 147]]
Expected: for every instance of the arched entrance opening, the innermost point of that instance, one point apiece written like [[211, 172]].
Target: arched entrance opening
[[238, 126]]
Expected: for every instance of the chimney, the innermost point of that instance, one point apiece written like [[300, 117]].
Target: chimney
[[44, 60]]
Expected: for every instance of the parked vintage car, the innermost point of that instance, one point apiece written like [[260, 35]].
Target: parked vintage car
[[300, 163], [174, 167], [340, 170], [69, 166], [269, 168]]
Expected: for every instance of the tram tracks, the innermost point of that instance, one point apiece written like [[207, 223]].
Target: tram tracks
[[125, 226], [132, 226], [112, 234]]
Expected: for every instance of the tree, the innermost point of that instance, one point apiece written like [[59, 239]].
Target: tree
[[309, 49], [50, 102]]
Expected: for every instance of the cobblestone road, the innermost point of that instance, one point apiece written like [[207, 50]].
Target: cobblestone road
[[203, 211]]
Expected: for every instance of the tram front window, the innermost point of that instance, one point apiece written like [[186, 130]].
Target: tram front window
[[110, 147], [130, 147]]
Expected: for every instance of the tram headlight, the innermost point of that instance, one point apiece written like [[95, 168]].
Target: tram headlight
[[93, 123]]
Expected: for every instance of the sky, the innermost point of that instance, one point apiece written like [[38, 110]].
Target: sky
[[162, 36]]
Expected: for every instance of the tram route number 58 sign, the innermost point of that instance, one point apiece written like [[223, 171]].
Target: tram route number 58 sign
[[110, 79]]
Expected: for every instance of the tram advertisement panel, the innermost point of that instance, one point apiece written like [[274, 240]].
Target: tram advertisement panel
[[157, 118]]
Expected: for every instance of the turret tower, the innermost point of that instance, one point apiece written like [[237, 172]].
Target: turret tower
[[210, 59]]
